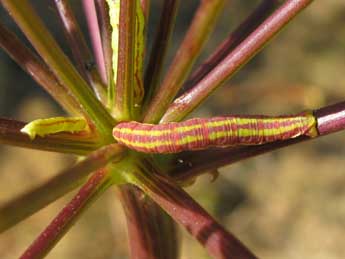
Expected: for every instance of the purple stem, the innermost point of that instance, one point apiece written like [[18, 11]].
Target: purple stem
[[80, 50], [92, 22], [235, 38], [186, 103], [34, 66], [183, 209], [67, 217], [30, 202], [160, 47], [148, 225], [195, 38], [330, 119]]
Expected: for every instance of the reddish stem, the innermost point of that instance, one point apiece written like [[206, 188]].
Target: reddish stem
[[330, 119], [186, 103], [67, 217], [197, 35], [160, 47], [148, 225], [25, 205], [80, 50], [92, 23], [145, 5], [33, 65], [183, 209], [236, 37]]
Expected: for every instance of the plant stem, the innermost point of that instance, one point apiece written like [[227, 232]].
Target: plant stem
[[25, 205], [123, 105], [145, 5], [159, 48], [80, 50], [186, 103], [34, 29], [31, 64], [95, 35], [94, 187], [201, 27], [182, 208], [330, 119], [152, 233], [232, 41], [105, 27], [63, 143]]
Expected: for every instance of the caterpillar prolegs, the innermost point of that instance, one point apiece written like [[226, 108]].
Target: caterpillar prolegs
[[199, 133]]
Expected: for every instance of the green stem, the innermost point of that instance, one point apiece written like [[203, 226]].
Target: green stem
[[77, 144], [123, 105], [34, 29]]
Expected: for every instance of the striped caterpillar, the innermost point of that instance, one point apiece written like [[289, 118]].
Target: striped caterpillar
[[196, 134]]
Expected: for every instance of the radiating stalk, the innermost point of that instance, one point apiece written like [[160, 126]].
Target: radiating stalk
[[183, 209], [31, 64], [78, 144], [25, 205], [186, 103], [105, 28], [145, 4], [34, 29], [152, 233], [201, 27], [80, 50], [123, 104], [330, 119], [91, 190], [243, 30], [160, 47], [95, 35]]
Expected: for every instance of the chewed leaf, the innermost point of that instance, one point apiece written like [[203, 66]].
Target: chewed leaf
[[139, 53], [114, 14], [43, 127]]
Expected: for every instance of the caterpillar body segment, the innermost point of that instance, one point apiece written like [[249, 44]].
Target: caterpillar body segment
[[198, 133]]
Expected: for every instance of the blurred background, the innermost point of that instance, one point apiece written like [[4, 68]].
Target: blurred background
[[286, 204]]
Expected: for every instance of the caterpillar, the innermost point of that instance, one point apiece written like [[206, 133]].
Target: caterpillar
[[43, 127], [200, 133]]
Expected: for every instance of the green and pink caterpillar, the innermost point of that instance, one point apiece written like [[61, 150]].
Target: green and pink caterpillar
[[198, 133], [193, 134]]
